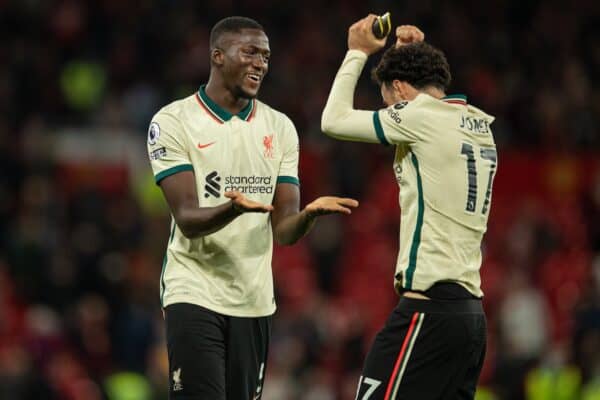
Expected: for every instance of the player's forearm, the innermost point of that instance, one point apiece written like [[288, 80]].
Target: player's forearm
[[340, 120], [195, 222], [293, 227]]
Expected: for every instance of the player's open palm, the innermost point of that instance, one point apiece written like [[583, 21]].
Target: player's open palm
[[407, 34], [243, 204], [331, 205]]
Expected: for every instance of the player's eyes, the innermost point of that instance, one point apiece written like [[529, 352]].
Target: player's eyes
[[255, 53]]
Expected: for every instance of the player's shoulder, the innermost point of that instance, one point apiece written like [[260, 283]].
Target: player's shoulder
[[168, 119], [268, 112], [415, 106], [480, 113], [425, 102], [176, 109]]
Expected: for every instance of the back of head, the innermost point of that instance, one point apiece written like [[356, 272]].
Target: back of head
[[419, 64], [231, 25]]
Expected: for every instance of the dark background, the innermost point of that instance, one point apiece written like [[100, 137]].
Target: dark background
[[83, 229]]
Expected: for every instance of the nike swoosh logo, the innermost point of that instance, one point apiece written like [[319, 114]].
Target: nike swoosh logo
[[202, 146]]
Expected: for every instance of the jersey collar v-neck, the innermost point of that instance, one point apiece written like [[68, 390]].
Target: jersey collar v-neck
[[218, 113]]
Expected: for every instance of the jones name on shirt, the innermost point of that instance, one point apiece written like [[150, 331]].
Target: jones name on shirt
[[475, 125]]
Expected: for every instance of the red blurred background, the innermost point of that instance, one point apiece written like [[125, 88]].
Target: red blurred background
[[83, 229]]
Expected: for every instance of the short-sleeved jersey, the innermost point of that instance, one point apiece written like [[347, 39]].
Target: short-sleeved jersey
[[228, 271], [445, 165]]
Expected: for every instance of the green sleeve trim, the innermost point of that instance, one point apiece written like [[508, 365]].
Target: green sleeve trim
[[416, 242], [379, 129], [288, 179], [168, 172]]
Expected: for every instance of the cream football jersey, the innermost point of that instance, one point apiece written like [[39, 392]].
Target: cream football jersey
[[445, 164], [228, 271]]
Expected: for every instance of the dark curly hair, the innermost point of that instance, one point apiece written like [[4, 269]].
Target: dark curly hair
[[419, 64]]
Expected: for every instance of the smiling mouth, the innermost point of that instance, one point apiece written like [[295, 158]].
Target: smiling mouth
[[256, 78]]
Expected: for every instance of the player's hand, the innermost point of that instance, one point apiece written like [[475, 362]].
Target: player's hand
[[330, 205], [407, 34], [243, 205], [361, 37]]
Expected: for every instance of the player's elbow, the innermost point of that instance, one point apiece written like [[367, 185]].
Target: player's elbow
[[327, 122], [334, 121], [187, 230], [283, 235], [187, 226]]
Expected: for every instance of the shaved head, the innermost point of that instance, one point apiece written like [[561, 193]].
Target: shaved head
[[231, 25]]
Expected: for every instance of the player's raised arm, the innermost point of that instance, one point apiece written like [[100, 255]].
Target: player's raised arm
[[340, 120]]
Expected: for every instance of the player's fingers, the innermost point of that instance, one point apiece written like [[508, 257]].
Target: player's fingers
[[333, 209], [416, 34], [342, 210], [370, 19], [232, 194], [361, 27], [401, 31], [259, 207], [405, 33], [359, 24], [420, 35], [409, 34], [348, 202], [355, 26]]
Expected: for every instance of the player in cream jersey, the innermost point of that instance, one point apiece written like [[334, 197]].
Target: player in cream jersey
[[250, 152], [445, 157], [227, 165], [445, 163]]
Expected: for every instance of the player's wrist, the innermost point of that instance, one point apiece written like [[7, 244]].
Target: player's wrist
[[308, 215], [236, 209], [359, 51]]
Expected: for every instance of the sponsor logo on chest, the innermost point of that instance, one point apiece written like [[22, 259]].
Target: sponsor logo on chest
[[247, 184]]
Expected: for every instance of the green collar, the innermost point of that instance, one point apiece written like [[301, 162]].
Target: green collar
[[219, 113], [455, 98]]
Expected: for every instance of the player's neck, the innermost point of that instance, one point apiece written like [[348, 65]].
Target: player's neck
[[434, 92], [225, 98]]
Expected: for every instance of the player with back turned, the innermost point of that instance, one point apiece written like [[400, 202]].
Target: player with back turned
[[227, 165], [433, 344]]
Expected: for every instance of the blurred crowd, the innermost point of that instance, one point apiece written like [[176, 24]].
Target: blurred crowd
[[83, 229]]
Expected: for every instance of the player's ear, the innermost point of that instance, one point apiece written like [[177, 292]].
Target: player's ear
[[405, 90], [399, 90], [217, 56]]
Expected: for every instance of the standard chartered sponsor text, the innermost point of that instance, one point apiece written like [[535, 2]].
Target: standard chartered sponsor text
[[249, 184]]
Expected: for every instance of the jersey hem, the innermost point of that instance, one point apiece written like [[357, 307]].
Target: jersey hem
[[216, 308], [171, 171], [423, 286]]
